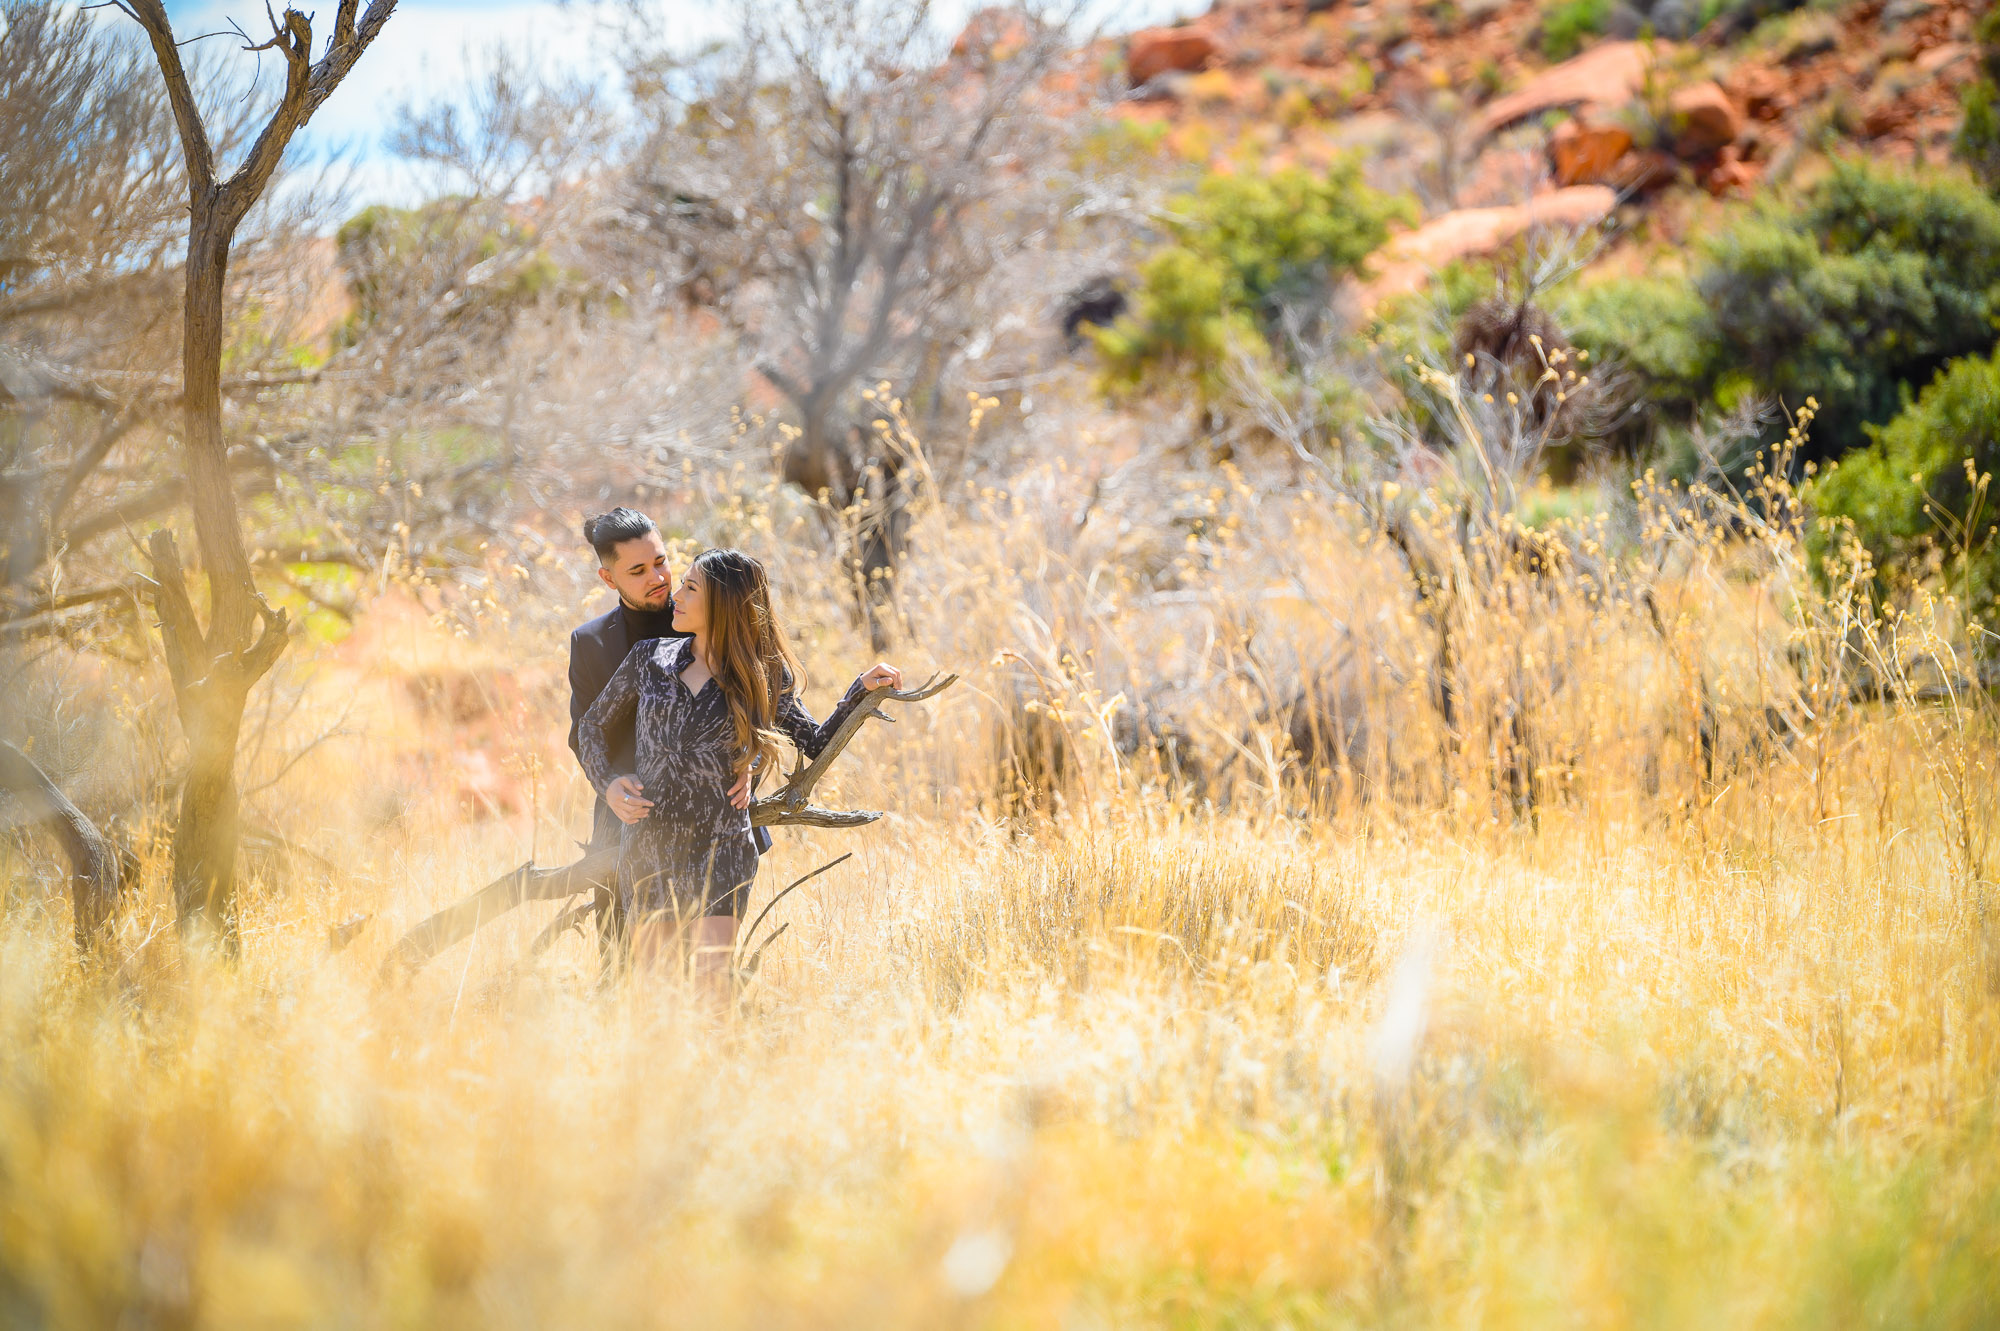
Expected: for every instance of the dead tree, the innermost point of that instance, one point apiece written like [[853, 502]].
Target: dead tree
[[834, 185], [214, 670], [790, 806], [92, 861]]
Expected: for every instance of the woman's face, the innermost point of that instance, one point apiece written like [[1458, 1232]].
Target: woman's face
[[691, 602]]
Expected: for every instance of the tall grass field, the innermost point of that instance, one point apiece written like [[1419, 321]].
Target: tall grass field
[[1311, 908]]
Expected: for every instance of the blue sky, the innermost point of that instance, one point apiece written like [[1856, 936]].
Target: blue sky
[[431, 47]]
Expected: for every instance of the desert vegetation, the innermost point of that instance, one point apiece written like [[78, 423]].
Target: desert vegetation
[[1469, 793]]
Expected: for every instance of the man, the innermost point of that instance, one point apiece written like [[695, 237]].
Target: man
[[631, 561]]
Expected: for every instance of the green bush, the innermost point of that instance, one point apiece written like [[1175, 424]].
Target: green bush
[[1978, 141], [1181, 316], [1245, 249], [1854, 293], [1916, 498], [381, 247], [1568, 24]]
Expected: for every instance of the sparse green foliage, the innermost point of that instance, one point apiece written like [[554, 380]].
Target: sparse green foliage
[[1567, 25], [1183, 315], [500, 260], [1978, 141], [1854, 293], [1245, 250], [1916, 498]]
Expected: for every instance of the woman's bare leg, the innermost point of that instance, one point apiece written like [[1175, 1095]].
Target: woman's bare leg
[[713, 938], [662, 945], [656, 944]]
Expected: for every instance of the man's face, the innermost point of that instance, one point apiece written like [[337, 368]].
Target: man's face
[[638, 572]]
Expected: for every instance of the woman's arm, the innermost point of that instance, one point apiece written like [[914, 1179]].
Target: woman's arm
[[796, 724], [614, 708]]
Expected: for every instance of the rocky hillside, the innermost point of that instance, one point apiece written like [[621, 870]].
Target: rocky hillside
[[1458, 101]]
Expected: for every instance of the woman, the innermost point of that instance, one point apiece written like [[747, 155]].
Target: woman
[[708, 708]]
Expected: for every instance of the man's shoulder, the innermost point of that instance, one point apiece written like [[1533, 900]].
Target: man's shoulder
[[594, 630]]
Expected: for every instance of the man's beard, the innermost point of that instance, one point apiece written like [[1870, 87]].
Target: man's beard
[[643, 607]]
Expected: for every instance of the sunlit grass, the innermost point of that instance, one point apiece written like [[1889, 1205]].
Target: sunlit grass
[[1656, 1045]]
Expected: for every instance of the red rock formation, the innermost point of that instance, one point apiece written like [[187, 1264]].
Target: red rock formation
[[1587, 154], [1157, 50], [1761, 91], [1731, 174], [1409, 259], [1703, 120], [1602, 78]]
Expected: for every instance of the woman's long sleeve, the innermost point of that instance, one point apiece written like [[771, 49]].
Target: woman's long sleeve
[[614, 707], [796, 724]]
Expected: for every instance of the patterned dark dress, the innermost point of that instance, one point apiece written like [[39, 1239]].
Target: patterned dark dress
[[693, 854]]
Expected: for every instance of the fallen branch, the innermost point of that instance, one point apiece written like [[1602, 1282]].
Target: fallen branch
[[93, 864], [790, 806], [743, 943], [50, 605], [489, 903], [572, 918]]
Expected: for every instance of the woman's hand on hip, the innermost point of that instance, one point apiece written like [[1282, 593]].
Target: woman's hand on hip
[[627, 799], [882, 675]]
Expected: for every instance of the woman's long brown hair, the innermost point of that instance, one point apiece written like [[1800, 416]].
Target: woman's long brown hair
[[754, 666]]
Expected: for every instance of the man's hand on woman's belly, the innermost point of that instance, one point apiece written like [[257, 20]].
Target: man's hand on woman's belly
[[627, 799]]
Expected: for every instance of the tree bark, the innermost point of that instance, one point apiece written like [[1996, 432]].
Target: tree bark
[[212, 710], [218, 532], [93, 865], [214, 674], [212, 683]]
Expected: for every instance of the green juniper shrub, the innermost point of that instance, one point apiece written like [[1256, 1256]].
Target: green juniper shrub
[[1855, 293], [1182, 318], [1726, 19], [1244, 250], [1916, 499], [1569, 24], [381, 245], [1978, 141]]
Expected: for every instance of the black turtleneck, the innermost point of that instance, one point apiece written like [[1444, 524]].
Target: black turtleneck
[[642, 624]]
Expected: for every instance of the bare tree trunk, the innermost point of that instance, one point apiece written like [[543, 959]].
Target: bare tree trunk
[[213, 672], [218, 531], [868, 493], [817, 460], [212, 683], [823, 464], [212, 702], [93, 866]]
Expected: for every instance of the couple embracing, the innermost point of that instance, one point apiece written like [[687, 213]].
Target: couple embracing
[[678, 699]]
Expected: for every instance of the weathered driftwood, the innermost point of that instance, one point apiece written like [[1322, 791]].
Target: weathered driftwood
[[790, 806], [489, 903], [93, 864]]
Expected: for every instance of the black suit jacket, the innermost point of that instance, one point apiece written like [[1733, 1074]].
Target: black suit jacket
[[596, 650]]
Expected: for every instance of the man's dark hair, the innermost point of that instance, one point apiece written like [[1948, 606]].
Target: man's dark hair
[[607, 531]]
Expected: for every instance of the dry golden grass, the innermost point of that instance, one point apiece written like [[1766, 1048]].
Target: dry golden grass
[[1665, 1044]]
